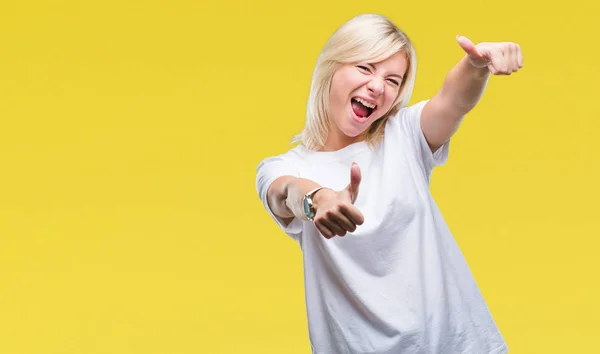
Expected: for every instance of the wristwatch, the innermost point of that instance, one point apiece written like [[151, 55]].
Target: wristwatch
[[309, 210]]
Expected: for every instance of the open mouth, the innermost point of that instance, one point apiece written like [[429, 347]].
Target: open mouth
[[362, 108]]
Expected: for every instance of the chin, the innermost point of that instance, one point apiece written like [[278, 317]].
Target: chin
[[353, 132]]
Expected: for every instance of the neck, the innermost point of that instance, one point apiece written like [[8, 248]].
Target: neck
[[339, 141]]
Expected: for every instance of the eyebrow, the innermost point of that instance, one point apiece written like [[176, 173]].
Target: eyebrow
[[374, 68]]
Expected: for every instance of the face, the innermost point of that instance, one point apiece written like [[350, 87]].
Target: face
[[360, 94]]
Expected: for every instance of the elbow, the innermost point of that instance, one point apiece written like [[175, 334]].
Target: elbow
[[277, 195]]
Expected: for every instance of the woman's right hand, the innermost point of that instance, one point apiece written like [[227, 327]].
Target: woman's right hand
[[335, 213]]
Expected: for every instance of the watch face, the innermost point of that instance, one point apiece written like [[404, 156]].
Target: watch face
[[306, 208]]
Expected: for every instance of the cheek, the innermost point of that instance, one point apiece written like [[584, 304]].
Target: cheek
[[390, 98], [336, 94]]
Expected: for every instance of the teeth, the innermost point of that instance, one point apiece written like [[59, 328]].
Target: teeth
[[365, 103]]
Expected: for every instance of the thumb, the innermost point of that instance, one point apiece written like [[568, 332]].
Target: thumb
[[468, 46], [355, 178]]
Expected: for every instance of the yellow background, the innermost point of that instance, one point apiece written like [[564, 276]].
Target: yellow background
[[130, 132]]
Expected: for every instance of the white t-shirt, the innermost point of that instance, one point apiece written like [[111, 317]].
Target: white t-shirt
[[399, 283]]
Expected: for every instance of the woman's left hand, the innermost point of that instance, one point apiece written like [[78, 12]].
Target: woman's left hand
[[501, 58]]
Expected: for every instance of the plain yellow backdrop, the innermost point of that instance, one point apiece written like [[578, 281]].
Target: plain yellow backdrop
[[131, 130]]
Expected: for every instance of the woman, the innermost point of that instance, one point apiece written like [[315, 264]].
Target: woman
[[383, 273]]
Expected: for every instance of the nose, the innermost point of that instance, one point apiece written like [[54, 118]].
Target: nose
[[376, 86]]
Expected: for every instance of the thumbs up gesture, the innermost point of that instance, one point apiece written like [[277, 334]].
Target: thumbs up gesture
[[335, 211], [502, 58]]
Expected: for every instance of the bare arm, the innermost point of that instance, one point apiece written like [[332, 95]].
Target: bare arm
[[335, 212], [285, 197], [464, 86], [461, 91]]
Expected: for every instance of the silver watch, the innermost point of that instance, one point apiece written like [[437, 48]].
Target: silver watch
[[309, 209]]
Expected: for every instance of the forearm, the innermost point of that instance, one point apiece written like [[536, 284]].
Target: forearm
[[286, 196], [463, 87]]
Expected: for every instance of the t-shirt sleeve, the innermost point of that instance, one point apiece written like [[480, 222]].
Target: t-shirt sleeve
[[409, 119], [267, 172]]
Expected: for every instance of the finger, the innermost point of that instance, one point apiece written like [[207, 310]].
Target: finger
[[353, 214], [355, 178], [511, 54], [344, 222], [334, 227], [514, 58], [499, 63], [468, 46], [324, 229], [519, 56], [504, 59]]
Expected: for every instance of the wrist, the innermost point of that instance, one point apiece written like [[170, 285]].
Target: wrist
[[481, 72], [310, 202], [319, 197]]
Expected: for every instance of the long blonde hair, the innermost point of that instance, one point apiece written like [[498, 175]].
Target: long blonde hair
[[367, 37]]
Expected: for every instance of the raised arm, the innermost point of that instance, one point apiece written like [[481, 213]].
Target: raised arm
[[464, 86]]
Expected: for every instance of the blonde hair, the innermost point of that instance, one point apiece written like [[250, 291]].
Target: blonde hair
[[367, 37]]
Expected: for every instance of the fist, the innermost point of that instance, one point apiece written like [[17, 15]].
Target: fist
[[335, 211], [501, 58]]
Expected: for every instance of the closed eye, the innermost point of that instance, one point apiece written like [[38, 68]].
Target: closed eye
[[363, 68], [393, 82]]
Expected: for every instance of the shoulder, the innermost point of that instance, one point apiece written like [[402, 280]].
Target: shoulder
[[405, 125], [408, 117], [283, 164], [289, 157], [405, 129]]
